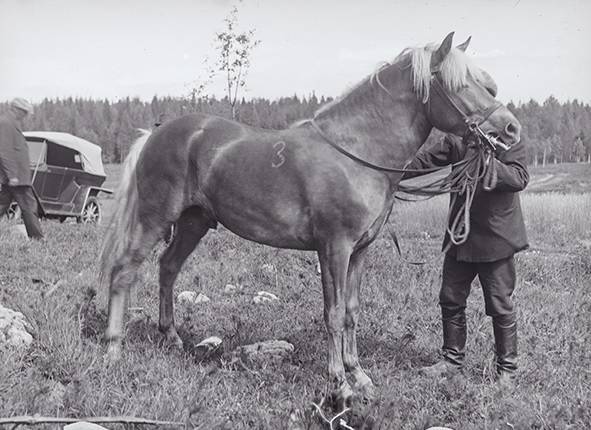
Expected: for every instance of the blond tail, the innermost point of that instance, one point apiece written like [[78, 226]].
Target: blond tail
[[124, 216]]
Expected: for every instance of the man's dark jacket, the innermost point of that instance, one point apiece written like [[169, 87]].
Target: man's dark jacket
[[497, 229], [14, 153]]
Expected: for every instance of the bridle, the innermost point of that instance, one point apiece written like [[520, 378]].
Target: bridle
[[473, 132]]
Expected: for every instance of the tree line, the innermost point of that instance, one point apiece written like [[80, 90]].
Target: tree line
[[554, 132]]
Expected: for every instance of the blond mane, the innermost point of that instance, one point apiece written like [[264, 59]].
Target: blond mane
[[455, 69]]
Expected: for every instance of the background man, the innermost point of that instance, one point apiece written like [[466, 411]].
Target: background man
[[15, 173]]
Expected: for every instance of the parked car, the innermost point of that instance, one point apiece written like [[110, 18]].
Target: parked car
[[68, 175]]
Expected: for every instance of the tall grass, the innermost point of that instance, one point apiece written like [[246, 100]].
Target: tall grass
[[550, 218], [557, 218]]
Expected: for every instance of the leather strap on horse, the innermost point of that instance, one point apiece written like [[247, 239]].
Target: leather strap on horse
[[361, 161], [397, 245], [352, 156], [473, 121]]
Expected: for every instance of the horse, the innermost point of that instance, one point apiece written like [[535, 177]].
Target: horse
[[316, 186]]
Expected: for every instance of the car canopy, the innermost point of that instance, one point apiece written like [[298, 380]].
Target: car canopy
[[90, 154]]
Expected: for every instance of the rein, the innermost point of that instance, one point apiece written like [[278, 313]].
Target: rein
[[366, 163], [354, 157], [479, 168]]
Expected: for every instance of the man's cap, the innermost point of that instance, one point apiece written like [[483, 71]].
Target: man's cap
[[22, 104]]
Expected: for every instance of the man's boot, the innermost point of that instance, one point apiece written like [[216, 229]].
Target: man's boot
[[505, 330], [454, 345]]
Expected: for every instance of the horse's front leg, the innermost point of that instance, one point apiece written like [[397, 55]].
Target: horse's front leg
[[350, 357], [334, 263]]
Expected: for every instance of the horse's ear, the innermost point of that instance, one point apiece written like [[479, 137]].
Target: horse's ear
[[462, 47], [439, 55]]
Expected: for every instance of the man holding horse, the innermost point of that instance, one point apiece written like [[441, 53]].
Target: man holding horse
[[496, 233], [15, 174]]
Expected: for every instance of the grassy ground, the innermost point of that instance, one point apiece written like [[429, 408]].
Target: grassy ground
[[64, 374]]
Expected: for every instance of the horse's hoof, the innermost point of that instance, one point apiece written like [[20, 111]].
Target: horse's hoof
[[359, 418], [366, 393], [362, 410], [173, 343], [113, 352], [341, 398]]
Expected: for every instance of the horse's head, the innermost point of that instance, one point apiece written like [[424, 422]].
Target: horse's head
[[459, 98]]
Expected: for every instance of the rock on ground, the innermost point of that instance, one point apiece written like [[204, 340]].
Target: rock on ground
[[209, 343], [270, 350], [264, 297], [18, 230], [83, 425], [192, 297], [13, 330]]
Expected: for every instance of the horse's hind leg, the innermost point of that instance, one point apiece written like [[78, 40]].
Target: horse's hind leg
[[123, 276], [190, 228]]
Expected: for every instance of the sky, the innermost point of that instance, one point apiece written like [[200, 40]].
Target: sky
[[112, 49]]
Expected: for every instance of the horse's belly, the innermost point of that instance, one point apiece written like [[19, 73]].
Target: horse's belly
[[270, 218], [275, 230], [275, 238]]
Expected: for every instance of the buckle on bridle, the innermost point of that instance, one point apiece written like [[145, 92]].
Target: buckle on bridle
[[475, 137]]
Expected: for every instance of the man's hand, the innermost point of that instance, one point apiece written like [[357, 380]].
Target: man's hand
[[13, 182]]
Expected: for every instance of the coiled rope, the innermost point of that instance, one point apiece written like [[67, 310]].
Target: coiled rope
[[461, 183]]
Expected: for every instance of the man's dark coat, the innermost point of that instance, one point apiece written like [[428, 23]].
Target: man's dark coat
[[14, 153], [497, 229]]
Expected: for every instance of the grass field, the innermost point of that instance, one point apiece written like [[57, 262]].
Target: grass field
[[64, 374]]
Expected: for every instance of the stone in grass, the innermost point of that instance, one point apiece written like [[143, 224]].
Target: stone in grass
[[83, 425], [18, 230], [13, 331], [269, 268], [206, 347], [264, 297], [270, 350], [231, 288], [191, 297]]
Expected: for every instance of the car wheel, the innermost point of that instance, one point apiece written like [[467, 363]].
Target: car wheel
[[92, 213]]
